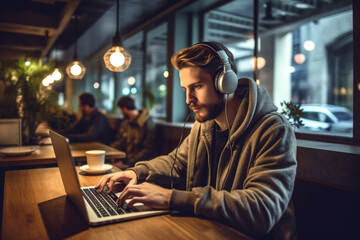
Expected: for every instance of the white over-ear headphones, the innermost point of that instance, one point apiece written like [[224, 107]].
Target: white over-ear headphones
[[225, 80]]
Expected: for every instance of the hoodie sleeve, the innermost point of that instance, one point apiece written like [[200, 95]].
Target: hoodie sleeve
[[258, 204], [160, 170]]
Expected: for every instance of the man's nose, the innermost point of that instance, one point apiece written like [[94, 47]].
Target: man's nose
[[189, 97]]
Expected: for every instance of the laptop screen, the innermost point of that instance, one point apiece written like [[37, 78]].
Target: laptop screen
[[68, 172]]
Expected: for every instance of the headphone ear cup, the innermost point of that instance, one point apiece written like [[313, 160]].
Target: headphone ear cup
[[226, 82], [218, 79]]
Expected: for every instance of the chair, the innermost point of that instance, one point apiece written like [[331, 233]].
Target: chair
[[10, 132]]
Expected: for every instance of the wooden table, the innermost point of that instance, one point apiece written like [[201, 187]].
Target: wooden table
[[44, 154], [25, 189]]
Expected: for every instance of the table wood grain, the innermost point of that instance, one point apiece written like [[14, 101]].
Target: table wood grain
[[44, 154], [25, 189]]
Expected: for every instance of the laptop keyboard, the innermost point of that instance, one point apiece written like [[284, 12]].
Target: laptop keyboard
[[104, 204]]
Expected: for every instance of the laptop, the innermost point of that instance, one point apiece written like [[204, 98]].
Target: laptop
[[95, 207]]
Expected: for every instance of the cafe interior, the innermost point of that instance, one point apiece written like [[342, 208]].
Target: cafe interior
[[303, 52]]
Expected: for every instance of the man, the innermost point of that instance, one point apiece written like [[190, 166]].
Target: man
[[136, 135], [238, 163], [93, 125]]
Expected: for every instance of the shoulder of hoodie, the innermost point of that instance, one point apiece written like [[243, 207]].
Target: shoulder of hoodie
[[273, 120]]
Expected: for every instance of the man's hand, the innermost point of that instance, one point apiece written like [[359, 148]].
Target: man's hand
[[149, 194], [127, 177]]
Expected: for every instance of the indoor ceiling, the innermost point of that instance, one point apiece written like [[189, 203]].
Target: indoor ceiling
[[33, 28]]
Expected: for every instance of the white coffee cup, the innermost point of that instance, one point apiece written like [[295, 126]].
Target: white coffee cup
[[95, 159]]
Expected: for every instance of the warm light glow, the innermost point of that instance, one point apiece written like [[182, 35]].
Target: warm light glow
[[27, 63], [343, 91], [309, 45], [299, 58], [166, 74], [257, 81], [50, 79], [44, 82], [56, 74], [117, 59], [131, 81], [261, 62], [96, 85], [75, 70]]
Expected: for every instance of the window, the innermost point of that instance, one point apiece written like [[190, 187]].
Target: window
[[156, 70], [305, 55], [130, 81]]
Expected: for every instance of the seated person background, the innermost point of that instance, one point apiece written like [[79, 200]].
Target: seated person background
[[136, 135], [93, 125]]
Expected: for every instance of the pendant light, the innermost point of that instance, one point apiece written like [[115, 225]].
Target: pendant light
[[75, 70], [117, 59], [56, 74]]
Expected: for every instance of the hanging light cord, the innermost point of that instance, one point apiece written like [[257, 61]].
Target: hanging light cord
[[76, 17], [117, 39], [117, 18]]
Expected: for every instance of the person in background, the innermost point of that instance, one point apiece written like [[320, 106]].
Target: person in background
[[136, 135], [92, 126], [237, 165]]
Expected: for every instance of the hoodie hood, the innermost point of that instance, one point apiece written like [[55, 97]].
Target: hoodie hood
[[252, 107], [143, 117]]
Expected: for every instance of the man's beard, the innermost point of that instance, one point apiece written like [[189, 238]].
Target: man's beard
[[212, 111]]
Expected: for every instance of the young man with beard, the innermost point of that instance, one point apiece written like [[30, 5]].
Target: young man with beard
[[136, 135], [238, 163]]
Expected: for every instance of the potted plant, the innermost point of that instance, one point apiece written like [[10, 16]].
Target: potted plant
[[293, 113], [23, 95]]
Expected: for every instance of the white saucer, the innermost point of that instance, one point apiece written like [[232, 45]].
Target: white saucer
[[105, 168], [17, 151]]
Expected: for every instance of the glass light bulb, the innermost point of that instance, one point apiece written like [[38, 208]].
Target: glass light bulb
[[75, 70], [117, 59], [56, 74]]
